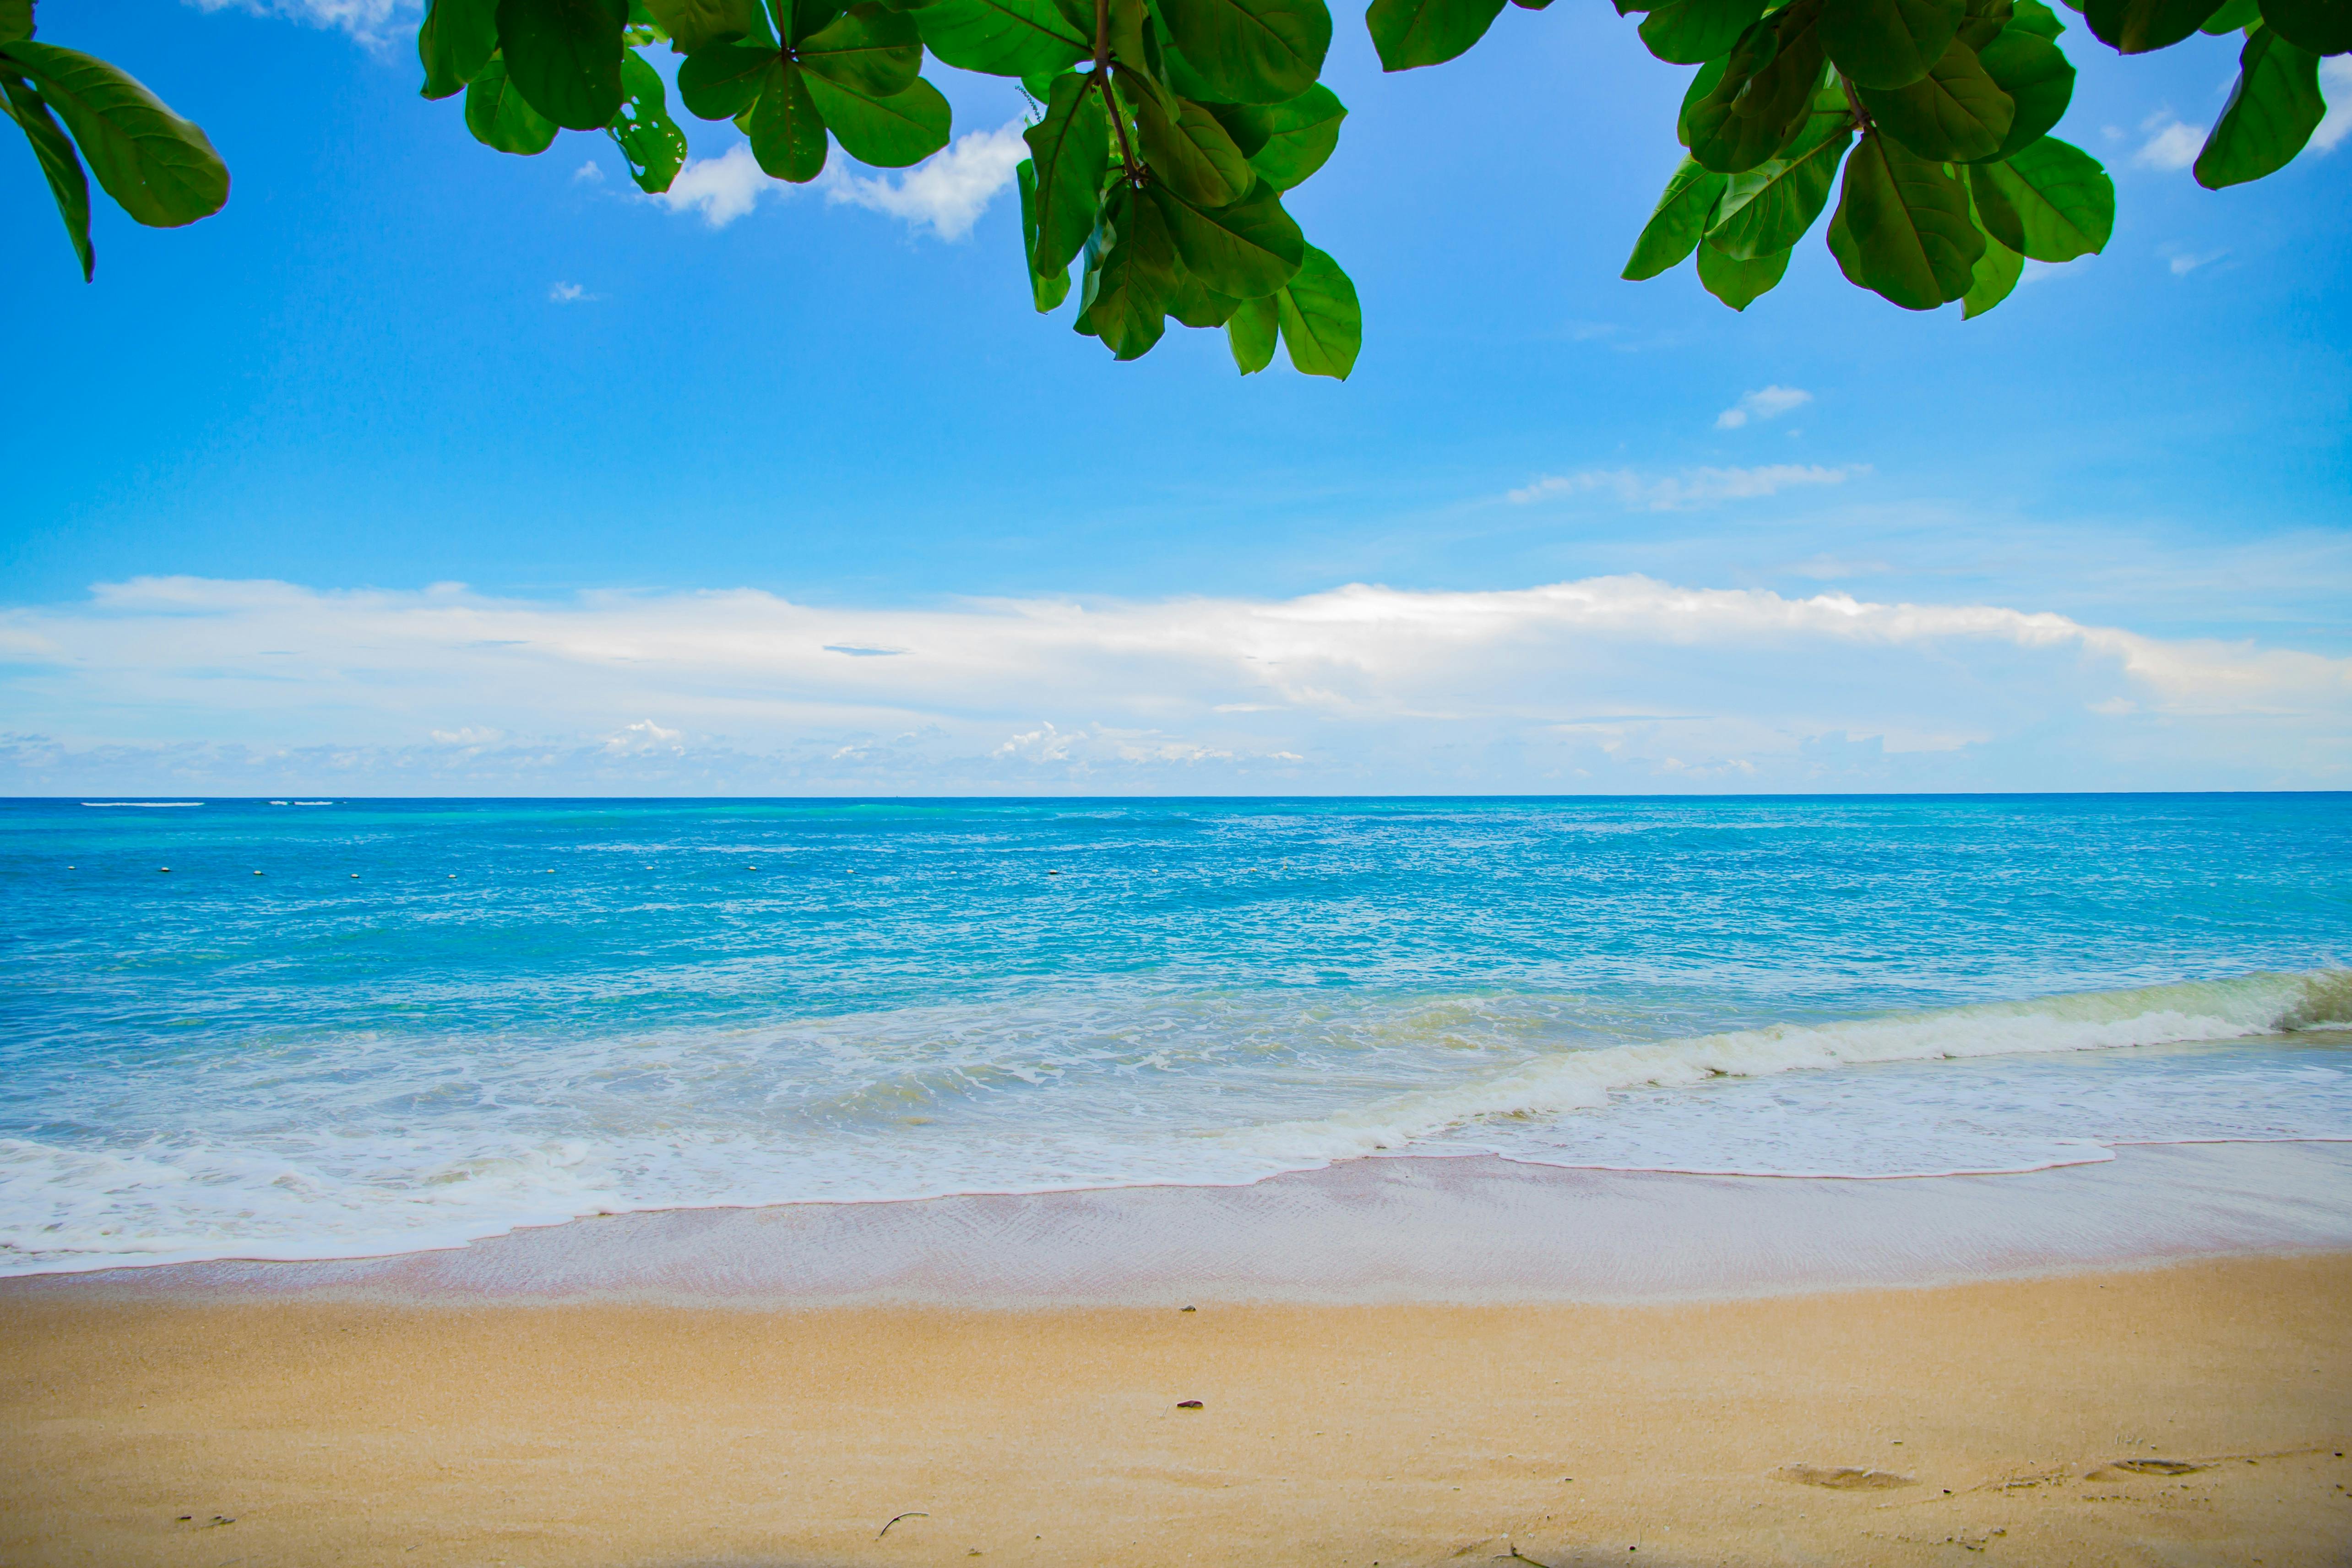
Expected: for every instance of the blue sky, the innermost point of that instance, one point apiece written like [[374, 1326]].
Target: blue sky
[[398, 360]]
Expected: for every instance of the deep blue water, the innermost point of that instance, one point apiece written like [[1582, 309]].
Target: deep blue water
[[424, 1021]]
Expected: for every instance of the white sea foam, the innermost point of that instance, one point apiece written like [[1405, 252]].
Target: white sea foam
[[143, 805], [366, 1144]]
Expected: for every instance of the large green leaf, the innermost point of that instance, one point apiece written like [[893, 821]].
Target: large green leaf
[[1071, 147], [1286, 143], [802, 20], [1984, 21], [647, 137], [787, 132], [1001, 37], [1410, 32], [868, 49], [1189, 149], [1769, 207], [1688, 32], [1738, 283], [889, 132], [1766, 90], [1047, 290], [1702, 86], [2033, 17], [2051, 203], [1246, 249], [499, 116], [565, 55], [720, 81], [2275, 107], [2135, 26], [696, 23], [2234, 16], [17, 22], [1252, 51], [1888, 43], [1251, 333], [1681, 217], [158, 167], [457, 40], [1996, 272], [2319, 27], [1322, 321], [1130, 279], [68, 187], [1195, 304], [2038, 78], [1956, 112], [1903, 228]]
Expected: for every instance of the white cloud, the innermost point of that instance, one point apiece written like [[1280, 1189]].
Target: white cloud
[[2336, 83], [2171, 144], [2184, 262], [589, 173], [1691, 487], [1619, 683], [723, 188], [947, 190], [370, 21], [569, 294], [1769, 403]]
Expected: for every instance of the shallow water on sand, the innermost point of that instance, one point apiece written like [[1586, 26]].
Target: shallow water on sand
[[427, 1021]]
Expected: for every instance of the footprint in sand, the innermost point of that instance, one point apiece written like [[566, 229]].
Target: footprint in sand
[[1844, 1477], [2157, 1467]]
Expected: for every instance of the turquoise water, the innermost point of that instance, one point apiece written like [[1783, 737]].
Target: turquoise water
[[425, 1021]]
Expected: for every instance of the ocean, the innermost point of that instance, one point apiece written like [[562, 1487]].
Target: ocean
[[327, 1028]]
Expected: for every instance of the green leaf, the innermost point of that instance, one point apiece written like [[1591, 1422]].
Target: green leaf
[[2234, 16], [1246, 249], [2033, 17], [2272, 112], [889, 132], [1252, 51], [1196, 304], [1984, 22], [1071, 149], [1001, 37], [1410, 32], [1769, 208], [1189, 149], [2051, 202], [720, 81], [1251, 333], [2320, 26], [696, 24], [1737, 283], [1997, 273], [457, 40], [1954, 113], [158, 167], [1889, 43], [15, 23], [803, 19], [1049, 289], [2137, 26], [1765, 92], [644, 131], [1131, 271], [1680, 218], [2040, 82], [1903, 228], [1322, 322], [1689, 32], [786, 130], [59, 165], [497, 116], [564, 57], [868, 49], [1286, 143], [1702, 85]]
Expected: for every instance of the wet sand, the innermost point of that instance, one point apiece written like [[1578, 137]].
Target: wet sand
[[2185, 1398]]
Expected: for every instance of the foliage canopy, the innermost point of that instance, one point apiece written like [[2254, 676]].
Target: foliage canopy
[[1168, 131]]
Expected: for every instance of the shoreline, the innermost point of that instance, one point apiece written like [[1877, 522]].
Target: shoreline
[[1461, 1230]]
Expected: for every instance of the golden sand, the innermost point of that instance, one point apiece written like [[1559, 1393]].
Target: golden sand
[[2188, 1414]]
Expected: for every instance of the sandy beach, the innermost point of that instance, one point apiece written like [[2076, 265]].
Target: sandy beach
[[2172, 1408]]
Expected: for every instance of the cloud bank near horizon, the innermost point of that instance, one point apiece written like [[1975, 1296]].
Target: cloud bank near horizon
[[1607, 684]]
